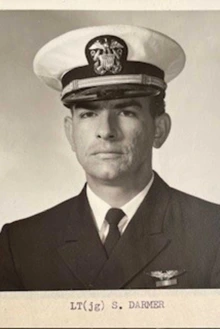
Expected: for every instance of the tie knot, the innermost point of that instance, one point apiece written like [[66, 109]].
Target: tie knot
[[114, 215]]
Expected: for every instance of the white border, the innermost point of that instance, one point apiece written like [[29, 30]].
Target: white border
[[111, 4], [184, 308], [176, 309]]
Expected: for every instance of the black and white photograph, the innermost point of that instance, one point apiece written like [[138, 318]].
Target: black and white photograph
[[110, 152]]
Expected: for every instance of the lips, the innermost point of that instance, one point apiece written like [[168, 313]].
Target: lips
[[108, 155], [106, 151]]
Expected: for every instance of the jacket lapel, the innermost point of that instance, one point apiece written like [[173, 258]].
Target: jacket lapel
[[142, 241], [82, 250]]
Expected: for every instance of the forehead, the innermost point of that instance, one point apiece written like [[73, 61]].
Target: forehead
[[137, 102]]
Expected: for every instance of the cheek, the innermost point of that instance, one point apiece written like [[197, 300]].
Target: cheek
[[141, 139], [82, 135], [82, 141], [79, 143]]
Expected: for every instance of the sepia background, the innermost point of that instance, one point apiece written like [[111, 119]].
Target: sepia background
[[37, 166]]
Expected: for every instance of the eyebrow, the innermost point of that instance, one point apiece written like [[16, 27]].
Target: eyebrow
[[128, 103], [96, 106]]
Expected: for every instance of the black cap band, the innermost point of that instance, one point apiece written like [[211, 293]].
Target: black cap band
[[129, 67]]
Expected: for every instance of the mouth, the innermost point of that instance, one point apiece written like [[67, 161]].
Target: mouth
[[108, 154]]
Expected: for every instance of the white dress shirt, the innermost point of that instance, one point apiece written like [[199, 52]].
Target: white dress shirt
[[100, 209]]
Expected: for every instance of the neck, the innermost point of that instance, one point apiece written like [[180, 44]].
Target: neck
[[118, 194]]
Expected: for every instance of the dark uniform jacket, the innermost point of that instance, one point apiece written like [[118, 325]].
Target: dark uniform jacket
[[59, 249]]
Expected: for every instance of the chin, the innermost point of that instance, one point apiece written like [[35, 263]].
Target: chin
[[109, 175], [108, 170]]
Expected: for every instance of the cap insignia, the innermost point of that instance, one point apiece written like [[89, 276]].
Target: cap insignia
[[106, 53]]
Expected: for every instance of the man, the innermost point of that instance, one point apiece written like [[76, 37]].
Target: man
[[127, 228]]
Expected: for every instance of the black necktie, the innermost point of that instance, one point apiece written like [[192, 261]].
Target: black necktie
[[113, 217]]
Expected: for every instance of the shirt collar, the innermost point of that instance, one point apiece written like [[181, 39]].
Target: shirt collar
[[100, 207]]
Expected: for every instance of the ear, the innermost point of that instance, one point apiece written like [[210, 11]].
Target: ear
[[162, 129], [68, 126]]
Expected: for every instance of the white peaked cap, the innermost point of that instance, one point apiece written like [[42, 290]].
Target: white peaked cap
[[108, 55]]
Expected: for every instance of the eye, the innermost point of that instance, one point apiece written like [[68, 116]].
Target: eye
[[87, 114], [128, 113]]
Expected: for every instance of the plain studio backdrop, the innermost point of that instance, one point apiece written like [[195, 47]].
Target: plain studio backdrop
[[37, 166]]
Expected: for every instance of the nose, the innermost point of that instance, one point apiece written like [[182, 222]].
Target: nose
[[107, 126]]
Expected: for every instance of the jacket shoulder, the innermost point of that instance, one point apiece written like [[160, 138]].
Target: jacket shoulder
[[197, 216], [190, 202], [55, 215], [185, 203]]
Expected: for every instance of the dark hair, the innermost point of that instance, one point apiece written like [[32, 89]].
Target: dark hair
[[157, 105]]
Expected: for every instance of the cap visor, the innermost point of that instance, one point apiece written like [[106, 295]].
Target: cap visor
[[110, 92]]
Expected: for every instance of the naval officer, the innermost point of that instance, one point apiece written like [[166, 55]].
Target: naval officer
[[127, 229]]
